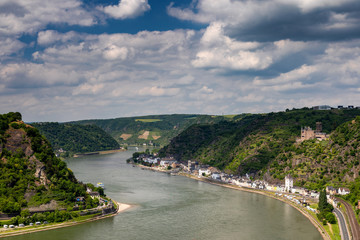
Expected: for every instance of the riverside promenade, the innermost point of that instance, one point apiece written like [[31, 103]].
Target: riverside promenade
[[120, 207]]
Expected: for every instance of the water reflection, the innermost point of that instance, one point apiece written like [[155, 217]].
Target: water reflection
[[174, 207]]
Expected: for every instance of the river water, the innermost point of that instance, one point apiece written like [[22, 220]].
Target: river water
[[176, 207]]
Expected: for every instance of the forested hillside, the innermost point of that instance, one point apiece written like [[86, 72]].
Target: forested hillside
[[264, 145], [155, 129], [30, 174], [76, 138], [333, 162]]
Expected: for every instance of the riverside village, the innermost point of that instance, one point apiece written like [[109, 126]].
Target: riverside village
[[298, 195]]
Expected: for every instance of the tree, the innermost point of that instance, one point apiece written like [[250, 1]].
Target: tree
[[25, 213], [322, 201]]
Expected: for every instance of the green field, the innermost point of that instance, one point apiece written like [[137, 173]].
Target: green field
[[148, 120]]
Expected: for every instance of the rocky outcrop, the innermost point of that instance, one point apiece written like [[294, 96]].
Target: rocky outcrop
[[18, 140], [52, 205], [39, 171]]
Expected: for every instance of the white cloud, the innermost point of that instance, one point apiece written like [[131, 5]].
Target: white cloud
[[88, 89], [304, 72], [22, 16], [310, 5], [246, 11], [158, 91], [49, 37], [278, 19], [9, 46], [76, 76], [113, 52], [220, 51], [127, 9]]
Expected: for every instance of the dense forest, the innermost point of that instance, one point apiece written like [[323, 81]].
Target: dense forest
[[76, 138], [155, 129], [265, 146], [30, 173]]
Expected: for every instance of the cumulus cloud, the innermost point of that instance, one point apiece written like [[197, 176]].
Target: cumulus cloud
[[113, 52], [252, 56], [279, 19], [9, 46], [32, 75], [220, 51], [127, 9], [49, 37], [24, 16], [303, 73], [333, 71]]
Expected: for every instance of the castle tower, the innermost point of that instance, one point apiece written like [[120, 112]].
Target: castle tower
[[318, 127]]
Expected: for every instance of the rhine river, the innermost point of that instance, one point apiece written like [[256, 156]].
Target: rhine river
[[176, 207]]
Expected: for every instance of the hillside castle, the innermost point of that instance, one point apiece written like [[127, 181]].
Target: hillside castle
[[307, 133]]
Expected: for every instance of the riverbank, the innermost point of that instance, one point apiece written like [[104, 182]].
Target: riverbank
[[99, 152], [120, 207], [304, 212], [325, 235]]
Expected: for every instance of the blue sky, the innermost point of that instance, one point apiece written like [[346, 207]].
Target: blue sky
[[70, 60]]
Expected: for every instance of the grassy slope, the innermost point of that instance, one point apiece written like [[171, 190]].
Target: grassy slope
[[162, 127]]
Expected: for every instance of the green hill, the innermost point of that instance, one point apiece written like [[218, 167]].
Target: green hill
[[154, 129], [76, 138], [31, 176], [264, 145]]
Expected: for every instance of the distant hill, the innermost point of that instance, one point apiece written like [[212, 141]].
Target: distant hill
[[264, 145], [30, 174], [76, 138], [154, 129]]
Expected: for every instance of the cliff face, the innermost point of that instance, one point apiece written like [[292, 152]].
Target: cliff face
[[16, 139], [30, 173]]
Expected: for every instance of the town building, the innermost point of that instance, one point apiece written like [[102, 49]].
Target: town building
[[192, 165], [216, 176], [164, 162], [331, 190], [322, 107], [289, 183], [343, 191], [94, 195], [204, 172]]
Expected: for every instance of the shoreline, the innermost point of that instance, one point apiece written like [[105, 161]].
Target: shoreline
[[313, 221], [76, 155], [121, 207], [324, 234]]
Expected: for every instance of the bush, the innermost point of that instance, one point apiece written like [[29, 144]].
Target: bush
[[330, 217]]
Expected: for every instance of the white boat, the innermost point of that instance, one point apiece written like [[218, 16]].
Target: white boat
[[100, 184]]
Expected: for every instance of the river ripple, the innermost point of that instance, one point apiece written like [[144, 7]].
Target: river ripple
[[175, 207]]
